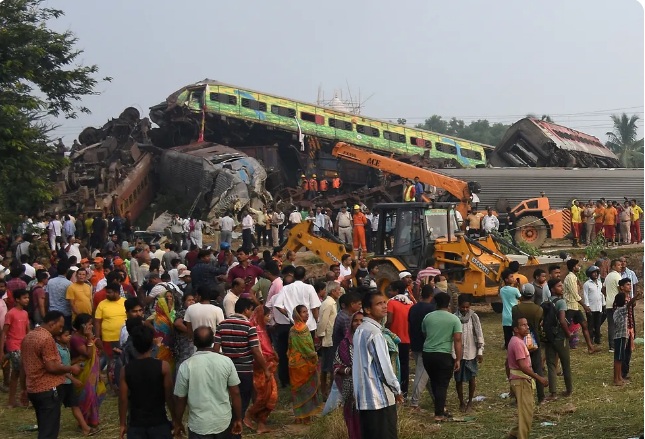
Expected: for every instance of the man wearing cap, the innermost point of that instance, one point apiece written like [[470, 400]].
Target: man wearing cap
[[336, 183], [304, 183], [360, 221], [406, 278], [594, 300], [97, 273], [185, 282], [533, 313], [344, 225]]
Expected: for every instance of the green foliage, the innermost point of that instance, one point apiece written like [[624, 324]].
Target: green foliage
[[478, 131], [525, 247], [592, 251], [623, 141], [40, 76]]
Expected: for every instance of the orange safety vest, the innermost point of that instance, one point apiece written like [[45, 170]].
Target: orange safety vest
[[324, 185], [409, 194], [336, 183], [313, 185], [305, 185]]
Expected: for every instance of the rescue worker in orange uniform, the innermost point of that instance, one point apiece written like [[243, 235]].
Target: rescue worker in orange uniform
[[360, 221], [304, 183], [336, 183], [323, 185], [313, 187]]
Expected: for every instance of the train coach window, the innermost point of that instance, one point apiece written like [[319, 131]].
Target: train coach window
[[394, 137], [223, 98], [254, 105], [469, 153], [283, 111], [340, 124], [448, 149], [423, 143], [310, 117], [367, 130]]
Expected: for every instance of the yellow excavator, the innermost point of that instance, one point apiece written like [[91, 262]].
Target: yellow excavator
[[411, 233]]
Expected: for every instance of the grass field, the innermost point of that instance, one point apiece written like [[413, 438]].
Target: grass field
[[596, 409]]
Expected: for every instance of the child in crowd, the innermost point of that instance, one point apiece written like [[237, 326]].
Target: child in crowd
[[623, 337], [473, 351], [68, 396], [16, 327]]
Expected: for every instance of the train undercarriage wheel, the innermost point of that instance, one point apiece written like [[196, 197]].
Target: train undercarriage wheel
[[531, 230], [387, 274]]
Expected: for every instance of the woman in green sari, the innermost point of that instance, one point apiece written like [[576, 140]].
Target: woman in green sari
[[303, 369]]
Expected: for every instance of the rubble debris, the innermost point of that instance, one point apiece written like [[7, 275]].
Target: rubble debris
[[213, 177]]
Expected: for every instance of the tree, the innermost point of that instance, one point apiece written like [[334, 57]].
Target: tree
[[478, 131], [623, 140], [39, 77]]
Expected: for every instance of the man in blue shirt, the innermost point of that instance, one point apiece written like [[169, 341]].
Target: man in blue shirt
[[376, 388], [418, 189], [509, 294]]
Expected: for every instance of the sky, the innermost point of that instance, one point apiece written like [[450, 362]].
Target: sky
[[577, 60]]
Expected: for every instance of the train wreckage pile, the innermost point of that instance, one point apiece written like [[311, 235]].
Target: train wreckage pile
[[211, 164]]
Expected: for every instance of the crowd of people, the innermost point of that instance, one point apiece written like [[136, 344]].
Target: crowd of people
[[147, 324]]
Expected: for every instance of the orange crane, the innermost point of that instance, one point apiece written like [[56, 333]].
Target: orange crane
[[461, 190], [535, 221]]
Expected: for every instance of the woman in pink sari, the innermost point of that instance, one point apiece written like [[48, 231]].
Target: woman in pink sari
[[266, 390], [92, 390], [343, 377]]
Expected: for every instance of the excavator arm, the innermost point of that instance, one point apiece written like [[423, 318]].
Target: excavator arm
[[457, 188], [326, 246]]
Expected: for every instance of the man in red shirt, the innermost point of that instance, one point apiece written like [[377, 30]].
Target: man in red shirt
[[245, 270], [44, 372], [15, 283], [398, 308]]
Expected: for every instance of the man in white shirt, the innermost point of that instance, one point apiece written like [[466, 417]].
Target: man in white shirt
[[490, 222], [247, 232], [319, 220], [232, 296], [203, 313], [344, 225], [55, 230], [345, 267], [72, 249], [292, 295], [328, 312], [593, 298], [610, 290], [227, 224], [294, 218]]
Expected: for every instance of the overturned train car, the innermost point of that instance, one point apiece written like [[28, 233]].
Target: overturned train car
[[212, 178], [533, 143]]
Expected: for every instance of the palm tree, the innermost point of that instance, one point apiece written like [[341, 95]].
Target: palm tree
[[622, 141]]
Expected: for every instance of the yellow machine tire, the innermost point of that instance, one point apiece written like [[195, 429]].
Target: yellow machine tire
[[387, 274], [531, 230]]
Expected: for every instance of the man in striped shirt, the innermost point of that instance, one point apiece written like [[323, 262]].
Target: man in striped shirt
[[238, 340], [376, 388]]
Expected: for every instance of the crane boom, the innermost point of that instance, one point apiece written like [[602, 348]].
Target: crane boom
[[457, 188]]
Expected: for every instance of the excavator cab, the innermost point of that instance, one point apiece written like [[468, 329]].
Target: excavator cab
[[407, 233]]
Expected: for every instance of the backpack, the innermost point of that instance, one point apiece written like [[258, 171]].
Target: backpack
[[550, 322]]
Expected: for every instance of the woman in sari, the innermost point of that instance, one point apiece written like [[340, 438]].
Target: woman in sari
[[343, 377], [162, 323], [303, 369], [91, 389], [393, 341], [266, 390], [184, 346]]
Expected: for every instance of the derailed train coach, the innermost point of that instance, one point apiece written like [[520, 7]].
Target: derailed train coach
[[532, 142], [213, 178]]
